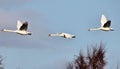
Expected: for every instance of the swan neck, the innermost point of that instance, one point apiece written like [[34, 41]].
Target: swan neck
[[6, 30], [53, 34], [94, 29]]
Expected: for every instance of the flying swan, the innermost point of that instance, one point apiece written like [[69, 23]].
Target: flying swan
[[105, 25], [64, 35], [21, 28]]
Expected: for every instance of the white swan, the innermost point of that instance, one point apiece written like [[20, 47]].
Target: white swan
[[105, 25], [65, 35], [21, 28]]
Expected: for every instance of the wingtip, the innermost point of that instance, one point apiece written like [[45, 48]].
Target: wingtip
[[18, 21], [102, 15]]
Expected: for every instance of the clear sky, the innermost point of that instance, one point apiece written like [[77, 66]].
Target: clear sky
[[39, 51]]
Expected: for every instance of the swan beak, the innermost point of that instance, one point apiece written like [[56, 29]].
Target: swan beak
[[2, 30], [89, 29], [49, 35]]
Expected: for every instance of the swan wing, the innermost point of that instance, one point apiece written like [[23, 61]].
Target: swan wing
[[103, 20], [107, 24], [19, 24], [24, 26], [66, 35]]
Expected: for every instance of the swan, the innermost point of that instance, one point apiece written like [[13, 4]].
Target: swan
[[64, 35], [21, 28], [105, 25]]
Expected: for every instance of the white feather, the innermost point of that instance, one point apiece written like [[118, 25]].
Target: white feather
[[103, 20], [19, 24]]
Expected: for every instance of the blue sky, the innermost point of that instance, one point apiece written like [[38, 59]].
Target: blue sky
[[39, 51]]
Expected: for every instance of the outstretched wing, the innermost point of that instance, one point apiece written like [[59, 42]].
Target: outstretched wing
[[24, 26], [107, 24], [103, 20], [19, 24]]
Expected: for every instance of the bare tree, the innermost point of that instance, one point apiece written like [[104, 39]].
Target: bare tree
[[81, 62], [1, 65], [70, 65], [95, 59]]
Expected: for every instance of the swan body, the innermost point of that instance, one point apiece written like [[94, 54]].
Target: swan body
[[21, 28], [105, 25], [64, 35]]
